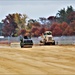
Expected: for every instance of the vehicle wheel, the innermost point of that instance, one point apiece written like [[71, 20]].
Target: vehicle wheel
[[53, 43], [45, 43], [41, 42], [30, 47], [21, 46]]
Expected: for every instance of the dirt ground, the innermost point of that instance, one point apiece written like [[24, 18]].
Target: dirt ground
[[38, 60]]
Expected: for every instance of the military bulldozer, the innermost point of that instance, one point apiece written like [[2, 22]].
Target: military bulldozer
[[47, 38]]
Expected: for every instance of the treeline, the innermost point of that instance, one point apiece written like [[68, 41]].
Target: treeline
[[58, 29], [61, 24]]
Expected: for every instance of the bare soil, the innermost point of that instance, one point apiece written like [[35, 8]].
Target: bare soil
[[38, 60]]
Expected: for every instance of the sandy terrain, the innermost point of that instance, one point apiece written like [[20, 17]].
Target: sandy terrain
[[39, 60]]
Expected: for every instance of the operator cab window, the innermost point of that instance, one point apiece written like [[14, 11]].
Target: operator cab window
[[25, 37], [48, 33]]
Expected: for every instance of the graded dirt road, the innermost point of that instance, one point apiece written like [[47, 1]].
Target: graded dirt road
[[38, 60]]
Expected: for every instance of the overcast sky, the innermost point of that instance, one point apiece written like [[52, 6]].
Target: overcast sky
[[33, 8]]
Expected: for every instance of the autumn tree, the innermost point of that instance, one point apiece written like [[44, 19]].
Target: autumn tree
[[63, 14], [15, 22], [30, 23], [63, 25], [51, 19], [53, 26], [71, 17], [42, 30], [72, 25], [57, 31], [68, 31], [9, 25], [7, 30], [33, 23], [20, 20], [35, 31], [23, 31], [44, 22]]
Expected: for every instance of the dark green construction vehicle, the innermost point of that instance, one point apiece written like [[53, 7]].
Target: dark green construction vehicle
[[26, 42]]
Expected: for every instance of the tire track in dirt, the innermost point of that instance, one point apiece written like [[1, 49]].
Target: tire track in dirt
[[42, 60]]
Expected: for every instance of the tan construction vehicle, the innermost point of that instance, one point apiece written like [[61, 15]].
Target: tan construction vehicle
[[47, 38]]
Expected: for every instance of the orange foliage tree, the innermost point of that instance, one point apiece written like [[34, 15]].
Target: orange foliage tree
[[72, 25], [71, 16], [35, 31], [68, 31], [42, 30], [23, 31], [57, 31], [7, 30], [53, 26], [63, 26]]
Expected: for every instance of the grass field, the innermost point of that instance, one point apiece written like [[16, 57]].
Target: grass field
[[38, 60]]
